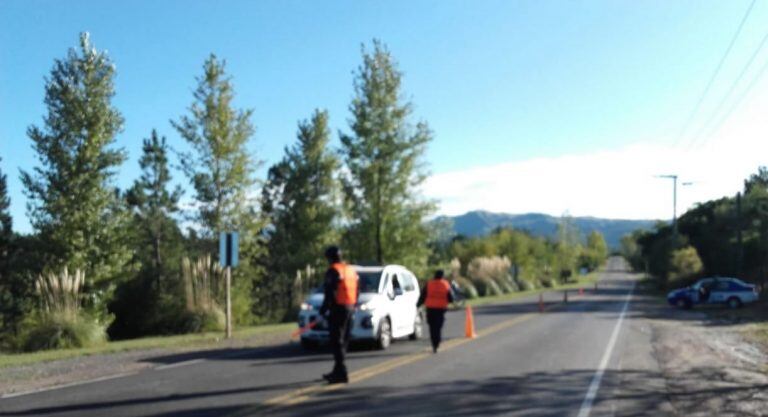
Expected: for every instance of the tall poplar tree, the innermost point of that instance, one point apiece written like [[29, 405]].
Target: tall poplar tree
[[221, 169], [384, 160], [300, 201], [74, 205]]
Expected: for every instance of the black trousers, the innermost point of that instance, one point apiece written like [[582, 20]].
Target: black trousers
[[339, 325], [435, 319]]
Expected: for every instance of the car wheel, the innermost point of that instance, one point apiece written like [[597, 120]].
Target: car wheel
[[385, 334], [734, 302], [308, 344], [418, 328], [684, 304]]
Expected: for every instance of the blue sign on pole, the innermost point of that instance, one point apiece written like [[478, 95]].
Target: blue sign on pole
[[228, 248]]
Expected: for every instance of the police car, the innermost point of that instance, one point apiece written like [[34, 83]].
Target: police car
[[732, 292], [386, 309]]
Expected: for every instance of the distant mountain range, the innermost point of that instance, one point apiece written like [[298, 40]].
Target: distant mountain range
[[478, 223]]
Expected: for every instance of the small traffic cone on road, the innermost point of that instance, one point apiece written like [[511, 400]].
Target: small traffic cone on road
[[469, 325], [541, 303]]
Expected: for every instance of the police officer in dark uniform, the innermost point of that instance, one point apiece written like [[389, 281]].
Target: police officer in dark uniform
[[436, 295], [341, 293]]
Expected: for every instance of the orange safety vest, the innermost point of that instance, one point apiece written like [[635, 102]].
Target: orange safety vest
[[437, 293], [346, 291]]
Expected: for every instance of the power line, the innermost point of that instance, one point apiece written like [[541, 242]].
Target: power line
[[730, 91], [717, 71], [741, 98]]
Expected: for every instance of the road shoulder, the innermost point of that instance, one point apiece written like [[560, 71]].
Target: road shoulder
[[708, 366]]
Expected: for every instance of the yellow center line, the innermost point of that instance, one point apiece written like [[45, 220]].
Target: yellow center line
[[304, 394]]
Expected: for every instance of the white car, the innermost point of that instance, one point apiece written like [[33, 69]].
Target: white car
[[386, 308]]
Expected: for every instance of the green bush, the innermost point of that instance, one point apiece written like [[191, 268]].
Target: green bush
[[45, 331], [147, 305], [507, 286], [526, 285], [198, 321], [490, 288], [685, 266], [548, 282]]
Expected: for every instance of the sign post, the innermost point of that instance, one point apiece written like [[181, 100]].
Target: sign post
[[228, 258]]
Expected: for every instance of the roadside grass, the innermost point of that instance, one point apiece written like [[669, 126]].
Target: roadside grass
[[186, 342], [587, 282]]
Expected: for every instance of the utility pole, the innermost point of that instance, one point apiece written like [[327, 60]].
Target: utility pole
[[673, 177]]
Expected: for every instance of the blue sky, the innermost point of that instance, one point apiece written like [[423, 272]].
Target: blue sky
[[517, 92]]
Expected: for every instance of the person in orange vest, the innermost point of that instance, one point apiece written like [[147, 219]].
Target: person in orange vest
[[341, 293], [436, 295]]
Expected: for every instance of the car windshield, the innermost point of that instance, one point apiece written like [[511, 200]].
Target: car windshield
[[369, 281], [702, 282]]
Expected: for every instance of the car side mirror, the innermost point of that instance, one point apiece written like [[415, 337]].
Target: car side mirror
[[398, 292]]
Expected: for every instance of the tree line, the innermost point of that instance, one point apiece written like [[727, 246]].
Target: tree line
[[124, 251], [509, 260], [103, 262], [723, 237]]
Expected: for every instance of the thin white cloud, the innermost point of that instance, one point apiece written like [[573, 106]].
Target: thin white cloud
[[618, 183]]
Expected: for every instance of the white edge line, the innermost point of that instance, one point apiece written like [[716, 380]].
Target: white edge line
[[594, 386], [179, 364], [72, 384]]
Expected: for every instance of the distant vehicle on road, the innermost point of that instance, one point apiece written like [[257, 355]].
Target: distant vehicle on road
[[386, 309], [732, 292]]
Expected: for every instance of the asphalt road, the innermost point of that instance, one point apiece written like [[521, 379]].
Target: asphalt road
[[589, 357]]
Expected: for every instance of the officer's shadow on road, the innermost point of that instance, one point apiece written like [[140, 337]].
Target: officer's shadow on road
[[149, 400]]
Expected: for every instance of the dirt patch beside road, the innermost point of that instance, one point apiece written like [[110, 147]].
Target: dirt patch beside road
[[711, 368]]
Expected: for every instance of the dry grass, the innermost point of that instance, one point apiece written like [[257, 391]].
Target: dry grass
[[61, 294], [203, 283], [489, 268]]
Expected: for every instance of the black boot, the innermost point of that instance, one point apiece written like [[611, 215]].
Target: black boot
[[338, 379]]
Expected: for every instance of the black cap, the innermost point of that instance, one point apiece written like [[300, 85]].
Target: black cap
[[439, 273], [333, 254]]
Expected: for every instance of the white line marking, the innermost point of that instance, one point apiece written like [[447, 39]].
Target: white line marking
[[594, 386], [179, 364], [72, 384]]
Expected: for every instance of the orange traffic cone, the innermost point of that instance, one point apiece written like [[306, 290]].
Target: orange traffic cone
[[541, 303], [469, 325]]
